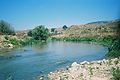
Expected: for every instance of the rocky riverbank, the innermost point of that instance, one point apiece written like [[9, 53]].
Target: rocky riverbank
[[94, 70]]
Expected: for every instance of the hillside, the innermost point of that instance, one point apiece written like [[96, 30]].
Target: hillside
[[100, 22], [91, 29]]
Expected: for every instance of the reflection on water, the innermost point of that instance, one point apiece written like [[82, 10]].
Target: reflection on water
[[28, 62]]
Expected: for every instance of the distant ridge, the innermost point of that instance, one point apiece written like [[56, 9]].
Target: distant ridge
[[103, 22], [99, 22]]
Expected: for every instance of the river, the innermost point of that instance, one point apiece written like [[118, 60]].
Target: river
[[28, 62]]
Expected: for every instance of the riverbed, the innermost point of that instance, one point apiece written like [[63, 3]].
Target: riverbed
[[28, 62]]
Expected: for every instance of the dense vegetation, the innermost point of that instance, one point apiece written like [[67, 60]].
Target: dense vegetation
[[6, 28], [39, 33], [116, 73], [53, 29], [7, 39]]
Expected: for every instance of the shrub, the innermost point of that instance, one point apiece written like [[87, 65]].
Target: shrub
[[65, 27], [15, 42], [39, 33], [114, 49], [116, 73], [53, 29], [6, 28]]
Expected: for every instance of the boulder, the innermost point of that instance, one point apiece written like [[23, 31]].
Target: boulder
[[74, 64], [84, 62], [10, 46]]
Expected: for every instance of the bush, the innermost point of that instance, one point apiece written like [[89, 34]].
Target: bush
[[53, 29], [65, 27], [15, 42], [116, 73], [39, 33], [6, 28], [114, 49]]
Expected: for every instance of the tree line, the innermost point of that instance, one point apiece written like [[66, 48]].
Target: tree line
[[38, 33]]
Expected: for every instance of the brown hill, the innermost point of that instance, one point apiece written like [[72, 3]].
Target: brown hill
[[91, 30]]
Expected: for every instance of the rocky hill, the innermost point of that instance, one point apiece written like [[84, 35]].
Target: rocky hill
[[101, 28], [100, 22]]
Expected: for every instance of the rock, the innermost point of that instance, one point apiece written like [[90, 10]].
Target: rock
[[51, 72], [104, 59], [84, 62], [83, 71], [42, 77], [10, 45], [98, 62], [74, 64]]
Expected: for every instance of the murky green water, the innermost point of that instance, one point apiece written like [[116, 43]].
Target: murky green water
[[29, 62]]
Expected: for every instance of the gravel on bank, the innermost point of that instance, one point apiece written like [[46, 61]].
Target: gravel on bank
[[94, 70]]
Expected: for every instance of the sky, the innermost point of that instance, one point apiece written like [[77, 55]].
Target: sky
[[27, 14]]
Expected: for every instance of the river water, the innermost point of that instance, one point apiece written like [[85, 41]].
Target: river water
[[28, 62]]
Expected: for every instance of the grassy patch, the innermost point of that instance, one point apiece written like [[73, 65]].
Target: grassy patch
[[116, 73]]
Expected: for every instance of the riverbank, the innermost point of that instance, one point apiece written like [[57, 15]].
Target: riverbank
[[10, 41], [108, 35], [94, 70]]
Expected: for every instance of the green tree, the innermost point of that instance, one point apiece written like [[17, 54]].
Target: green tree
[[29, 33], [53, 29], [6, 28], [65, 27], [39, 33], [116, 73]]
